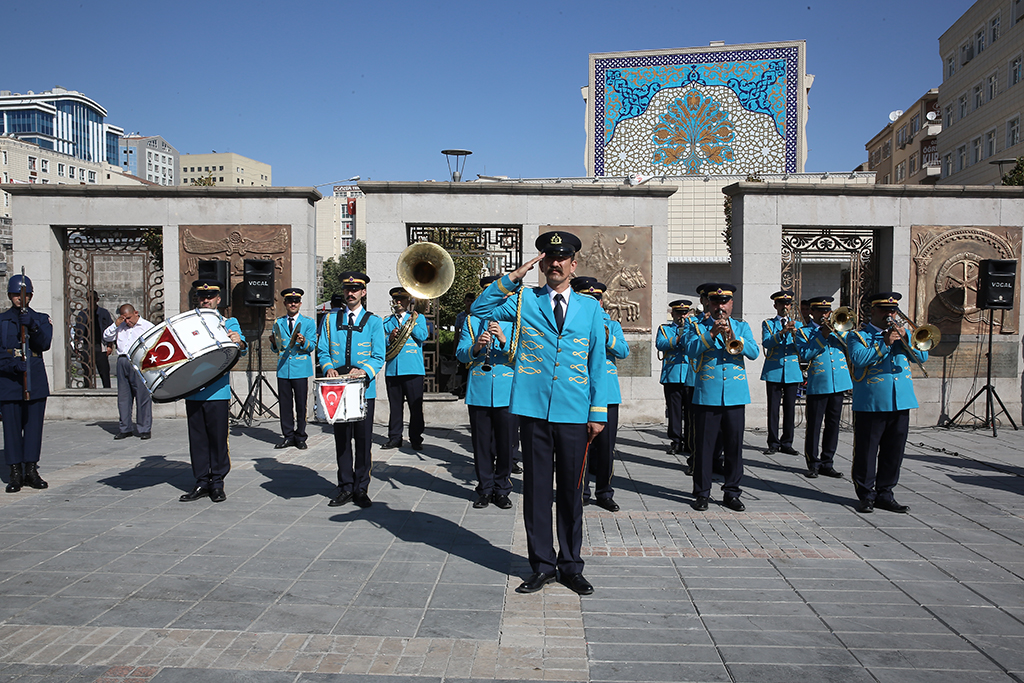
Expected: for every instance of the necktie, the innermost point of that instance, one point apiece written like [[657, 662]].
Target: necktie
[[291, 325], [559, 312], [348, 341]]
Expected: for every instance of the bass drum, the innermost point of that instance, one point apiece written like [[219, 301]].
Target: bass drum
[[184, 354]]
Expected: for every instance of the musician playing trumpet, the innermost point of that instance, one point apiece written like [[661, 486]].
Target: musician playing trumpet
[[718, 345], [883, 395], [781, 372], [828, 378], [406, 330]]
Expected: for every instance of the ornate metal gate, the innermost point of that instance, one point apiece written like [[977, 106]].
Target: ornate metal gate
[[851, 249], [493, 249], [120, 267]]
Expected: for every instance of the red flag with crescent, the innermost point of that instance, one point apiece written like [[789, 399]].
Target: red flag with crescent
[[165, 352], [330, 395]]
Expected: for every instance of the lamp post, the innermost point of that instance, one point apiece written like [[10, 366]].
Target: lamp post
[[458, 154]]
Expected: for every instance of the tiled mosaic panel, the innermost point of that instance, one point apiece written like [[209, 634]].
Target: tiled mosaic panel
[[730, 112]]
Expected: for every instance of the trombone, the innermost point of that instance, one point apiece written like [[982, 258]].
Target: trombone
[[922, 337]]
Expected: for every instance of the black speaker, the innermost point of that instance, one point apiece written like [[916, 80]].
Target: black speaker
[[259, 283], [220, 271], [996, 280]]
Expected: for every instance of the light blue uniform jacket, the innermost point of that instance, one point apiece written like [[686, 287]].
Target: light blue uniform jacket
[[409, 360], [367, 345], [220, 389], [490, 388], [559, 377], [294, 362], [781, 356], [721, 377], [615, 349], [675, 366], [827, 369], [881, 374]]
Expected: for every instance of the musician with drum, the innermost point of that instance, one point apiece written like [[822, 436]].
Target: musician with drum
[[823, 347], [485, 347], [294, 340], [781, 373], [351, 343], [207, 411], [883, 395], [718, 344], [24, 335], [406, 330]]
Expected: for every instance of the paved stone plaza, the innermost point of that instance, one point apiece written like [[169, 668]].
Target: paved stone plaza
[[106, 577]]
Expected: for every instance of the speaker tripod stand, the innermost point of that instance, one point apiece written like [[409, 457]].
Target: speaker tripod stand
[[990, 393], [253, 404]]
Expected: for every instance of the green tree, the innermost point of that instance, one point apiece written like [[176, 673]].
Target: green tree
[[1016, 174], [353, 259]]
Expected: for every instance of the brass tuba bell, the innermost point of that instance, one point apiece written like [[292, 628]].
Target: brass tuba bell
[[843, 319], [425, 270]]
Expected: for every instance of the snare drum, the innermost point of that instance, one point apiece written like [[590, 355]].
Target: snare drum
[[184, 354], [339, 399]]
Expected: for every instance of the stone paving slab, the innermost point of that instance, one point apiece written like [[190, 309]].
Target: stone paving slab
[[105, 576]]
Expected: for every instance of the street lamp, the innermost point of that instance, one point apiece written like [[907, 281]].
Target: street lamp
[[458, 154]]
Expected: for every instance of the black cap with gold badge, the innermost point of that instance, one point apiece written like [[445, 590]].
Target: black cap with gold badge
[[353, 279], [558, 243]]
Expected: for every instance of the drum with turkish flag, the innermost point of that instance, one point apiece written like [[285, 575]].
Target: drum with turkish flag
[[339, 399]]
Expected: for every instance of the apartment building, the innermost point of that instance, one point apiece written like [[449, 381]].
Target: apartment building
[[339, 221], [150, 157], [981, 97], [905, 152], [226, 168]]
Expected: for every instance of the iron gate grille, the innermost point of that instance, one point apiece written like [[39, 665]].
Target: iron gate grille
[[853, 249]]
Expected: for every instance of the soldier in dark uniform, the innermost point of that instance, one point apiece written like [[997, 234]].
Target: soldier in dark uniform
[[23, 403]]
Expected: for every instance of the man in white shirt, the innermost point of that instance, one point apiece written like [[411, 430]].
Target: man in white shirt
[[123, 333]]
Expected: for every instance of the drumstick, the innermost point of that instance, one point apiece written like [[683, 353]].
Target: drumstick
[[583, 470]]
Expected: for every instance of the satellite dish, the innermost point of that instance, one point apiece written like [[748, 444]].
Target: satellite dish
[[931, 116], [895, 115]]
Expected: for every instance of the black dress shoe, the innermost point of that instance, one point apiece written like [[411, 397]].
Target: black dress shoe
[[770, 451], [195, 494], [516, 469], [392, 443], [482, 501], [285, 444], [501, 501], [577, 584], [811, 474], [122, 435], [865, 507], [608, 504], [145, 435], [361, 499], [734, 503], [17, 478], [340, 499], [789, 450], [701, 504], [417, 445], [536, 581], [831, 472], [892, 506], [218, 495], [301, 445]]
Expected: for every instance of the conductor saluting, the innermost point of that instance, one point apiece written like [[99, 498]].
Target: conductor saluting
[[558, 392]]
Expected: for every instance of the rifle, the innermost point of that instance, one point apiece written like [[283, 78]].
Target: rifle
[[26, 379]]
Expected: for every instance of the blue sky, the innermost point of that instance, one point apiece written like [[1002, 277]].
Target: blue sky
[[326, 90]]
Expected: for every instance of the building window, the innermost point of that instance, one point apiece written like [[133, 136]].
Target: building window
[[979, 41], [949, 116], [901, 171], [221, 179], [950, 66], [887, 179], [44, 165], [1015, 70], [993, 27], [31, 163], [1018, 11], [1013, 131], [976, 151], [92, 176], [990, 143], [222, 168], [5, 157], [71, 172], [915, 124], [963, 106], [901, 137], [966, 53], [961, 158], [913, 163], [887, 149], [979, 98], [993, 85]]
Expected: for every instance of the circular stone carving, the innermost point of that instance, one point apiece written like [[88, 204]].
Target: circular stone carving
[[956, 283]]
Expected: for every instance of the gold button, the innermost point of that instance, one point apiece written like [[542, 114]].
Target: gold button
[[557, 364], [556, 377]]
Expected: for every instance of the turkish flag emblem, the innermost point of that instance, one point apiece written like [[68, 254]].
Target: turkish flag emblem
[[165, 352], [330, 394]]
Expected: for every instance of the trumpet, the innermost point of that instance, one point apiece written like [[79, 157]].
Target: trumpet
[[733, 346], [922, 337]]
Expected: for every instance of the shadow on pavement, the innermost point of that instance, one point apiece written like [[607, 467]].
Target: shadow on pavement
[[153, 470], [286, 480]]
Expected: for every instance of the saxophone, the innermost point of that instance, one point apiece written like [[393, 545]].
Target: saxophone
[[401, 335]]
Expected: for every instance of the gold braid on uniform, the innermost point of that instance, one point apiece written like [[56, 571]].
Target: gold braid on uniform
[[514, 346]]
